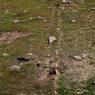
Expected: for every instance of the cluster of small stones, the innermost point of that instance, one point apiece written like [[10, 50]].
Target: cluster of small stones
[[21, 21]]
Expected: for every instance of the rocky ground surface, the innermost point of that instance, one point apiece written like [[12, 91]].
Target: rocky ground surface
[[47, 47]]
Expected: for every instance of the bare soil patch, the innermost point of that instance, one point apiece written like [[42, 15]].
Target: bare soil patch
[[78, 71], [10, 37]]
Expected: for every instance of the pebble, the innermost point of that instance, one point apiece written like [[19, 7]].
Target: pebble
[[94, 82], [25, 11], [51, 39], [57, 52], [64, 1], [73, 20], [62, 8], [77, 57], [93, 8], [5, 54], [80, 93], [30, 54], [31, 18], [22, 94], [40, 17], [16, 21], [15, 67]]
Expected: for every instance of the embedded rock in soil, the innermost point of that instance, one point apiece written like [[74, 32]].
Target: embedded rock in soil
[[15, 68], [77, 57], [51, 39]]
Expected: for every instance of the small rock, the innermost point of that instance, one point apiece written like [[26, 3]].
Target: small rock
[[94, 82], [5, 54], [62, 8], [51, 39], [22, 94], [80, 93], [30, 54], [66, 1], [73, 20], [31, 18], [15, 67], [58, 29], [16, 21], [40, 17], [25, 11], [77, 57], [93, 8], [57, 52], [39, 61], [84, 56]]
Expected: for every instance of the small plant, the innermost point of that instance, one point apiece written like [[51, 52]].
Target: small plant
[[90, 87], [62, 89]]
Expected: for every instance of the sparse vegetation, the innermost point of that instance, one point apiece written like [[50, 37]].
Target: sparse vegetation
[[72, 26]]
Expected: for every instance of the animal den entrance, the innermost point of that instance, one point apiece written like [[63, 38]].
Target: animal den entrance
[[52, 71]]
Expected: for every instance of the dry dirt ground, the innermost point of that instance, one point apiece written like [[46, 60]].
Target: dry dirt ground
[[63, 67]]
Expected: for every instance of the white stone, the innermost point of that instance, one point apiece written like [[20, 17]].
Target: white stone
[[30, 54], [22, 94], [51, 39], [15, 67], [64, 1], [31, 18], [73, 20], [62, 8], [16, 21], [77, 57], [40, 17], [5, 54]]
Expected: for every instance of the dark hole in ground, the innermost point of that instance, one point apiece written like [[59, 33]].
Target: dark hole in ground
[[38, 65], [22, 59], [52, 71]]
